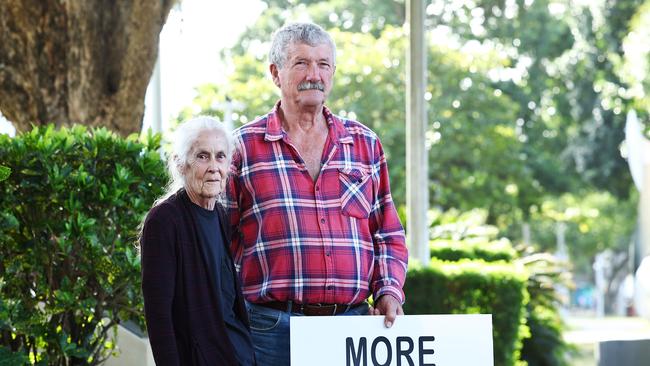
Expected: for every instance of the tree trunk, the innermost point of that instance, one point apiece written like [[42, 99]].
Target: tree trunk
[[71, 61]]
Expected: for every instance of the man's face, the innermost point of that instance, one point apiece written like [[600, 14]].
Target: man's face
[[305, 79]]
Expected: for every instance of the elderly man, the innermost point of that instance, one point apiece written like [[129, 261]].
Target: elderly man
[[316, 230]]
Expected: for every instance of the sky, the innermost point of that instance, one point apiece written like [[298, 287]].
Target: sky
[[190, 42]]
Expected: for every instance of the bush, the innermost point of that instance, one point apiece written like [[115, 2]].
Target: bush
[[545, 346], [70, 270], [473, 248], [462, 236], [473, 286], [4, 172]]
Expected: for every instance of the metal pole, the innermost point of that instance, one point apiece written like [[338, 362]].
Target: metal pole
[[156, 89], [525, 233], [644, 212], [227, 113], [417, 188]]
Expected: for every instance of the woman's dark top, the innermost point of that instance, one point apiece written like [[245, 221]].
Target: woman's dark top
[[182, 292], [218, 257]]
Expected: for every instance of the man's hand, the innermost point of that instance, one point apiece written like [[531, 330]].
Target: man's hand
[[389, 306]]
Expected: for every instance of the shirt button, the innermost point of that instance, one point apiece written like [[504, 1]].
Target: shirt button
[[328, 254], [329, 287], [317, 188], [322, 221]]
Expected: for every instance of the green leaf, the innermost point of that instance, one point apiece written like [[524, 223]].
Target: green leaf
[[4, 172], [9, 358]]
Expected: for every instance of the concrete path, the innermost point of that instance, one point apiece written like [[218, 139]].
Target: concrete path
[[590, 330], [585, 333]]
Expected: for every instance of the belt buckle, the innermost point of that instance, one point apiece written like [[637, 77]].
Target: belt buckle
[[319, 309]]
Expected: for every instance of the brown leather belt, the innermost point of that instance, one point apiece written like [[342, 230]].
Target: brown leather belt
[[309, 309]]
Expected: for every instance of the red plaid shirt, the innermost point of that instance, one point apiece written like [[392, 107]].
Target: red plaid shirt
[[336, 240]]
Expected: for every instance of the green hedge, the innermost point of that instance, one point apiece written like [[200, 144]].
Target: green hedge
[[4, 172], [473, 248], [69, 216], [470, 287], [546, 346]]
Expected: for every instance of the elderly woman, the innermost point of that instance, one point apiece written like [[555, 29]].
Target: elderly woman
[[193, 304]]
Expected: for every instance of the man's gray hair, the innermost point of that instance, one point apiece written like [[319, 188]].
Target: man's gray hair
[[307, 33]]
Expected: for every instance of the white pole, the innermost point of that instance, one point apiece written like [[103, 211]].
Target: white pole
[[644, 212], [156, 88], [417, 187], [562, 254], [227, 113], [525, 233], [561, 251]]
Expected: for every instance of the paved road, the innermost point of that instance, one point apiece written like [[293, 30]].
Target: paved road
[[585, 332], [590, 330]]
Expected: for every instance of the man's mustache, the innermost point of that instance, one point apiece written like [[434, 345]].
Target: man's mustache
[[309, 85]]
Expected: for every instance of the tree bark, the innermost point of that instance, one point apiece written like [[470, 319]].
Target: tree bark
[[78, 61]]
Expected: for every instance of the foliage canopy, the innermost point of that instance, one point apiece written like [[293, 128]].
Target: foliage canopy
[[70, 212]]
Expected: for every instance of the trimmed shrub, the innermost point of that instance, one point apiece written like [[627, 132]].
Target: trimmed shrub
[[545, 346], [70, 270], [465, 235], [471, 287], [473, 248], [4, 172]]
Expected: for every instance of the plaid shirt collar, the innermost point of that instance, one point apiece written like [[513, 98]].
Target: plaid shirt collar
[[275, 132]]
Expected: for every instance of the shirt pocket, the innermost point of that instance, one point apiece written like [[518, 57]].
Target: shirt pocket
[[355, 192]]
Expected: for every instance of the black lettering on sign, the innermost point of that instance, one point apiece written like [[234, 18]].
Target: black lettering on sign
[[404, 352], [425, 351], [389, 351], [404, 347], [356, 357]]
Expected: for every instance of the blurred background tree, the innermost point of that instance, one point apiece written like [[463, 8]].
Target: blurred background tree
[[83, 62]]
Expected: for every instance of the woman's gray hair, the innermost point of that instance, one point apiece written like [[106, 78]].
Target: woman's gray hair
[[307, 33], [184, 138]]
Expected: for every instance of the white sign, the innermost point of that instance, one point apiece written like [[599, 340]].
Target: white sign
[[413, 340]]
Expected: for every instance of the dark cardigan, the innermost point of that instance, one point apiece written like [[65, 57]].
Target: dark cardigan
[[181, 303]]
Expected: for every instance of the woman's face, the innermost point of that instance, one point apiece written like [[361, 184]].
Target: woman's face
[[206, 169]]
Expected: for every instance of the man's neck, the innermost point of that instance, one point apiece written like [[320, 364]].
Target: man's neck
[[302, 119]]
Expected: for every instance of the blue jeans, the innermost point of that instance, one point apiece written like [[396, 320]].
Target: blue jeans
[[270, 333]]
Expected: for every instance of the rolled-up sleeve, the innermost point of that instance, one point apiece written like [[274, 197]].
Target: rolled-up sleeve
[[391, 254]]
